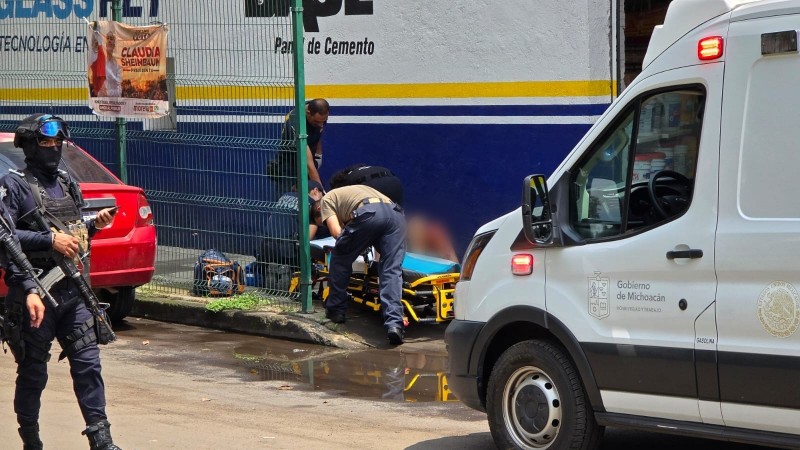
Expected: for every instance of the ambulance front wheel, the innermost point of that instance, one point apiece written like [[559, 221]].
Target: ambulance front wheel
[[536, 400]]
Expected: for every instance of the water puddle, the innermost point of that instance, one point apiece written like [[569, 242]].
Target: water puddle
[[392, 375], [377, 374]]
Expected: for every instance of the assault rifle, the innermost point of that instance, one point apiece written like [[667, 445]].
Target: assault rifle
[[67, 269], [16, 256]]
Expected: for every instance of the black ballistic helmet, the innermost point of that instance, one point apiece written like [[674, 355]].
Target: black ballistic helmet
[[38, 126]]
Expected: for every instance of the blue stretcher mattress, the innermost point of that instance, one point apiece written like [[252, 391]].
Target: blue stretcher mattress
[[422, 265]]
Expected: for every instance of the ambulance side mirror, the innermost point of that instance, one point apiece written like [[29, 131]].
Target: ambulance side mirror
[[537, 220]]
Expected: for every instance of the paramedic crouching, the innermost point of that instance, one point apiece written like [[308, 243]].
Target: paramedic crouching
[[360, 217]]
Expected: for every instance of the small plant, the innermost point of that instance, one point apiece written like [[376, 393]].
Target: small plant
[[244, 302]]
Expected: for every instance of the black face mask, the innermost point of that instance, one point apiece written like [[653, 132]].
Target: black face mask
[[45, 160]]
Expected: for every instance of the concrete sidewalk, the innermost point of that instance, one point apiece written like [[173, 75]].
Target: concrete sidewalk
[[363, 329]]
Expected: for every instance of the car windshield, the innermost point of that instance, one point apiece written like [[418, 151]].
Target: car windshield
[[80, 166]]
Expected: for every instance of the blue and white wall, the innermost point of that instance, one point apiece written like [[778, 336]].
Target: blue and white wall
[[461, 99]]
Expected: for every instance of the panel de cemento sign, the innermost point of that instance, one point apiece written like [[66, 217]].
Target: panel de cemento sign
[[327, 46], [312, 11]]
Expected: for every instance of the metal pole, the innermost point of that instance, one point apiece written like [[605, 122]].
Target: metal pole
[[121, 123], [302, 172]]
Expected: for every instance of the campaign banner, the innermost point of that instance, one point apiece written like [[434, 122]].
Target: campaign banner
[[127, 70]]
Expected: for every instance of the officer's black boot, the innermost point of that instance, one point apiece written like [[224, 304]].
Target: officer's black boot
[[99, 435], [30, 437]]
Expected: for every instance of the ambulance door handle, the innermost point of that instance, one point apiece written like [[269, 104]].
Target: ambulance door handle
[[692, 253]]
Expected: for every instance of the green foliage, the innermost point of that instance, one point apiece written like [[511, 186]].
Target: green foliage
[[244, 302]]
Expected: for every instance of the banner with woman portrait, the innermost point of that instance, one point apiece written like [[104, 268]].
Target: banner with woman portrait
[[127, 70]]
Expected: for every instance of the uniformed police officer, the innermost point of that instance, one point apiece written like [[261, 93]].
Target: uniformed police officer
[[42, 184], [359, 217], [29, 309]]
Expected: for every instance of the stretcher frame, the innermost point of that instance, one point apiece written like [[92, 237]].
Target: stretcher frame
[[427, 299]]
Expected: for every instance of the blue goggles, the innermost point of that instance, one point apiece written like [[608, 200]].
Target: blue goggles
[[52, 127]]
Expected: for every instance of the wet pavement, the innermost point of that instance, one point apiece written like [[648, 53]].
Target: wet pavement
[[363, 329], [411, 377], [394, 375], [407, 377]]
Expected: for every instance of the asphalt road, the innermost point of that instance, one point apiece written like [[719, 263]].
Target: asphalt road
[[173, 386]]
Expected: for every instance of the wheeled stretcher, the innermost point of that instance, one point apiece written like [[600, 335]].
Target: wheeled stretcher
[[428, 282]]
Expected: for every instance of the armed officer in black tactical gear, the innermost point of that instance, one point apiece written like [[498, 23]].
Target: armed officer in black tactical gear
[[42, 188]]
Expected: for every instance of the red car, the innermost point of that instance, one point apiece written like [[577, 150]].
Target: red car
[[123, 255]]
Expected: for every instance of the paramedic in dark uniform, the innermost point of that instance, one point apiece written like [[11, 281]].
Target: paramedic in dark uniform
[[282, 168], [379, 178], [41, 138], [359, 217]]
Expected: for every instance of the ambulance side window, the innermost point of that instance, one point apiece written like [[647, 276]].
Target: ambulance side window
[[657, 138], [598, 188], [668, 134]]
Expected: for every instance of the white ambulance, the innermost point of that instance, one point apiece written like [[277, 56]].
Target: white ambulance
[[652, 281]]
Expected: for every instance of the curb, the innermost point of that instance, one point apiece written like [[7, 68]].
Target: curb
[[293, 326]]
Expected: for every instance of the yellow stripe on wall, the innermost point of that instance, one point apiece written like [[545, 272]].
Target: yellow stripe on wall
[[585, 88], [48, 94], [588, 88], [234, 92]]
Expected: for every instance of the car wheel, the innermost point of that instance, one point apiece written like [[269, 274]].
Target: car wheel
[[121, 302], [536, 400]]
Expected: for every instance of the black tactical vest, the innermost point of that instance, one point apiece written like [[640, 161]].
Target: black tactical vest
[[363, 175], [65, 209]]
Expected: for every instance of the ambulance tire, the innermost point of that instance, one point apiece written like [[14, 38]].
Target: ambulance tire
[[536, 400]]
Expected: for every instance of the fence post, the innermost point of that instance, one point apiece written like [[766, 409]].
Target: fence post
[[121, 123], [302, 172]]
